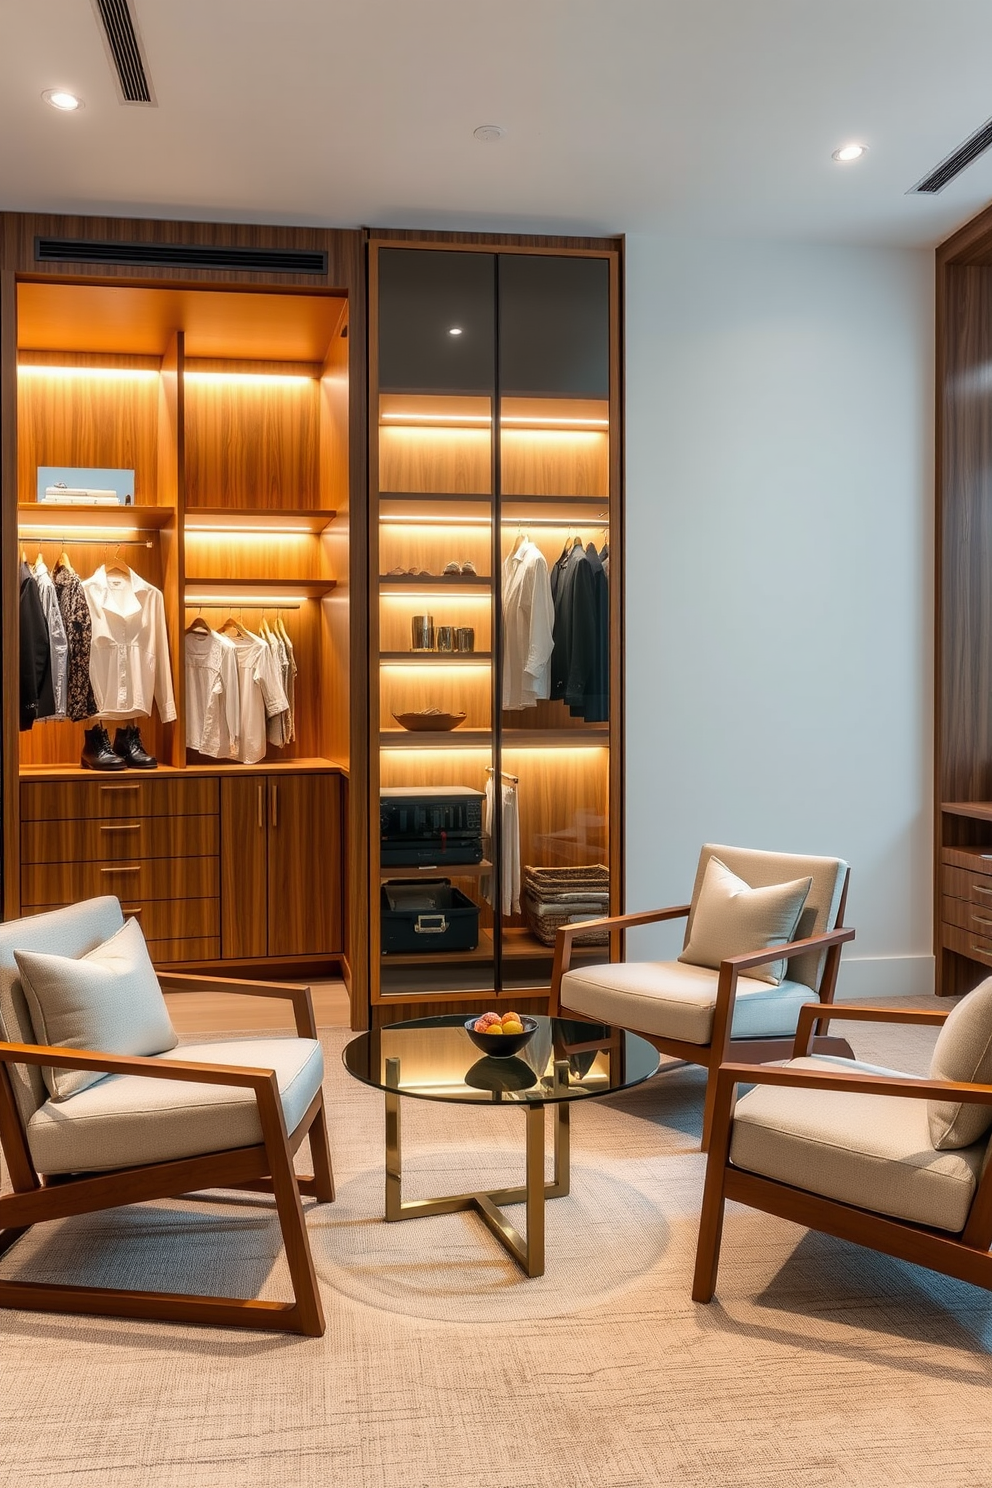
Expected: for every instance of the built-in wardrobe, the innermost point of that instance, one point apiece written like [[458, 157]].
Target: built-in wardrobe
[[299, 477]]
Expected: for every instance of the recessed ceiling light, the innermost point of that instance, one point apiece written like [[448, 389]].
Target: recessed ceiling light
[[455, 331], [489, 132], [850, 152], [60, 99]]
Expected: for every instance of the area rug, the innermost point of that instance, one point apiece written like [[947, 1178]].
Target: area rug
[[818, 1365]]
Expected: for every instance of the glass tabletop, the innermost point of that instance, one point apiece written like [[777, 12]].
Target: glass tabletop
[[566, 1059]]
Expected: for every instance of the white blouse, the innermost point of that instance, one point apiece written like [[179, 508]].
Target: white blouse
[[129, 656], [528, 627], [213, 701]]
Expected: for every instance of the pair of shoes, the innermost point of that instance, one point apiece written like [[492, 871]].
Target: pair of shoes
[[408, 573], [468, 567], [127, 751]]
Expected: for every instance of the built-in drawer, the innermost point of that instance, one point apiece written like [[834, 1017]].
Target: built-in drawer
[[83, 839], [132, 882], [128, 796], [967, 943], [960, 883], [165, 919], [967, 915], [172, 952]]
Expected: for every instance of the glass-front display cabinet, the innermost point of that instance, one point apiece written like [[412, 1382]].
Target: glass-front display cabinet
[[495, 580]]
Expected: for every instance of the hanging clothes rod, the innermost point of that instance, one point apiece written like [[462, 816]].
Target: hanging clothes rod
[[504, 774], [242, 604], [89, 542]]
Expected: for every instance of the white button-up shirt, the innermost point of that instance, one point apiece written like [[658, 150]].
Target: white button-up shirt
[[528, 627], [129, 656]]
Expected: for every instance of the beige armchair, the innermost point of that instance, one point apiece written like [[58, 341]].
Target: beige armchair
[[894, 1162], [707, 1014], [225, 1115]]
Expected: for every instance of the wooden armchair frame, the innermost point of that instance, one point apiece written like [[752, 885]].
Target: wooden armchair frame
[[722, 1045], [267, 1167], [965, 1256]]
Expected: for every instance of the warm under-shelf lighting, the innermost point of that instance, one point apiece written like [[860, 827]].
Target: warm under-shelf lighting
[[35, 369], [550, 424], [54, 532], [461, 420], [253, 598], [415, 520], [232, 529], [252, 379]]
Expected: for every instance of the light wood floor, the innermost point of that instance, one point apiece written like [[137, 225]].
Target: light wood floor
[[223, 1012]]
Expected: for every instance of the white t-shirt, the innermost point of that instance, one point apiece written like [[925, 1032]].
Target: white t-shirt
[[261, 695]]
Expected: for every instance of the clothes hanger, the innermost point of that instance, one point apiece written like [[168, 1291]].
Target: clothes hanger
[[116, 567], [518, 541], [198, 625], [283, 632]]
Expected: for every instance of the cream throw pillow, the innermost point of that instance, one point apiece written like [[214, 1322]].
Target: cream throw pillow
[[963, 1051], [731, 919], [108, 1000]]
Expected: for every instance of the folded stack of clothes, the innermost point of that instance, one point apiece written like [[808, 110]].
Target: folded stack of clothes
[[566, 896]]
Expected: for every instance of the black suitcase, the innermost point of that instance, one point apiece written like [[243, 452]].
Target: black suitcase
[[427, 915]]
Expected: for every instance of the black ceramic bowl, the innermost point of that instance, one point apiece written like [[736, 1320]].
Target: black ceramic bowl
[[502, 1044]]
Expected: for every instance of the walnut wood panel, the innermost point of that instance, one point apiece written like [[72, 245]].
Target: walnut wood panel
[[250, 445], [452, 688], [153, 878], [99, 422], [449, 766], [966, 915], [80, 840], [244, 866], [171, 489], [127, 797], [545, 462], [970, 945], [305, 866], [396, 612], [255, 555], [334, 400], [431, 548], [181, 949], [9, 593], [428, 459], [165, 919]]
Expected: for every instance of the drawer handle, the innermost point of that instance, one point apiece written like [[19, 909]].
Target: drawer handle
[[133, 909], [115, 790], [985, 950], [981, 919], [261, 805], [275, 803], [124, 868], [124, 827], [980, 889]]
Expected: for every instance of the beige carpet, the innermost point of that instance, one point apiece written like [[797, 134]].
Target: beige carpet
[[442, 1367]]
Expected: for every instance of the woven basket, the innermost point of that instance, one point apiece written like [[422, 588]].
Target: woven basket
[[556, 891]]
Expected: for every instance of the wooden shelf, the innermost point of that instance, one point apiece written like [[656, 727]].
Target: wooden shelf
[[220, 519], [593, 737], [431, 658], [35, 516], [976, 810], [300, 766], [518, 945], [437, 583], [447, 870], [460, 738], [253, 591]]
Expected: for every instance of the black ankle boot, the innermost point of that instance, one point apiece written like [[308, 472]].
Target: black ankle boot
[[97, 753], [128, 745]]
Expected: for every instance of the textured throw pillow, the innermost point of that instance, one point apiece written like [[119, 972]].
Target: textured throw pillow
[[108, 1000], [963, 1051], [731, 919]]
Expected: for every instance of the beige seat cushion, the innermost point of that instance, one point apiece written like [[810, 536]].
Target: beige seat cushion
[[963, 1051], [676, 1001], [872, 1151], [730, 918], [108, 1000], [127, 1120]]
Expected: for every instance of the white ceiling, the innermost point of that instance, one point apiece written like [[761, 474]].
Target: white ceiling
[[713, 116]]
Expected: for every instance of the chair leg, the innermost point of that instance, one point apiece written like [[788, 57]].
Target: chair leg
[[709, 1106], [309, 1313], [711, 1216], [320, 1152]]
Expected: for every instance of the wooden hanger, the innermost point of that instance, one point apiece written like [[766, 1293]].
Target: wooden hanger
[[198, 625], [116, 567], [283, 632], [518, 542], [231, 625]]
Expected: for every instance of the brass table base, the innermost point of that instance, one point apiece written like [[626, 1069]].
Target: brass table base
[[527, 1250]]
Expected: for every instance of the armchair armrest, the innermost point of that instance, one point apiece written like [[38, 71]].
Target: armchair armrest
[[812, 1013], [296, 993], [911, 1086], [252, 1078], [567, 933]]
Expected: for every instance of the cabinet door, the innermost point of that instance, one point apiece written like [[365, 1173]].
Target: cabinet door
[[304, 886], [244, 885]]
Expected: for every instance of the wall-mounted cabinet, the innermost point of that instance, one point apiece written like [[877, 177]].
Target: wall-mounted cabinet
[[495, 603]]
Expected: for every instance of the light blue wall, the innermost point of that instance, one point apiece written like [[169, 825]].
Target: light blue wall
[[779, 591]]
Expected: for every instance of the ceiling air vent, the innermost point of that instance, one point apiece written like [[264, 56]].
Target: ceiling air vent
[[182, 256], [952, 165], [124, 48]]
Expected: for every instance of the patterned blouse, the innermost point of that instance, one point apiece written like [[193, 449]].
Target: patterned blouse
[[80, 702]]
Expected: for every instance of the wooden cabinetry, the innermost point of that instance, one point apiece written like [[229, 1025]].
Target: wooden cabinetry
[[281, 866], [496, 441], [232, 382], [963, 642]]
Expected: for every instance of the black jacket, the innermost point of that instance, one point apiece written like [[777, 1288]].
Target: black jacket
[[579, 662], [37, 694]]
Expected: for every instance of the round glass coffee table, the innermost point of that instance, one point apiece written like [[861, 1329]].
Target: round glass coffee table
[[434, 1059]]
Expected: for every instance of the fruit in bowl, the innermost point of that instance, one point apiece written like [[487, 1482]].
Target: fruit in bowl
[[501, 1034]]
